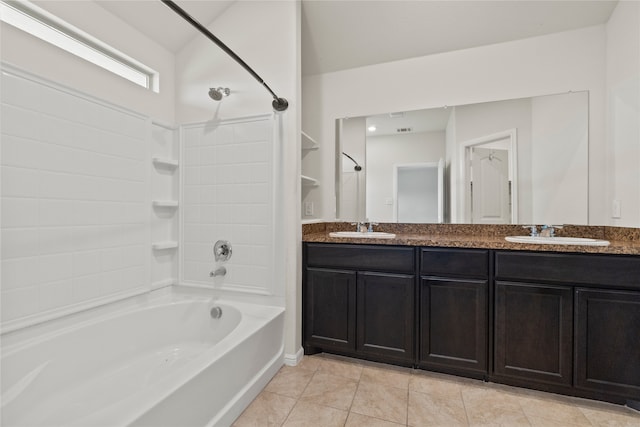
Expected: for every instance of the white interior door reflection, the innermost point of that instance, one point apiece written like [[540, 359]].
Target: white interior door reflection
[[419, 192], [490, 186], [489, 173]]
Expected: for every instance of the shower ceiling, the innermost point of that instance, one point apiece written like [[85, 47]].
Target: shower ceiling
[[153, 18], [338, 35]]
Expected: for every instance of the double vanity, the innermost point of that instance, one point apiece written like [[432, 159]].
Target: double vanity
[[463, 300]]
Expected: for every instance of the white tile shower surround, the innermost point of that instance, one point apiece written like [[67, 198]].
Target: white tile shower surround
[[75, 199], [326, 391], [227, 176]]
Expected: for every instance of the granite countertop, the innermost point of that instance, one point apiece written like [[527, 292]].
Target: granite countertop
[[622, 240]]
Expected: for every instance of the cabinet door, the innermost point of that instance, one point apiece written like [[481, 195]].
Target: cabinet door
[[330, 309], [533, 332], [385, 315], [608, 341], [453, 324]]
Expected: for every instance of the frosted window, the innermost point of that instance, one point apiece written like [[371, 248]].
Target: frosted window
[[39, 23]]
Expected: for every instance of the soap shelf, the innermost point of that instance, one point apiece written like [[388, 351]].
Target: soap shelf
[[169, 244], [308, 143], [165, 162], [165, 203], [308, 181]]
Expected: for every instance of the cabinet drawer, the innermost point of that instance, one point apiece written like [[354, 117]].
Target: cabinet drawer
[[361, 257], [454, 262], [602, 270]]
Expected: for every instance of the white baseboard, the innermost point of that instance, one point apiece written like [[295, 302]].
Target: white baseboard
[[293, 359]]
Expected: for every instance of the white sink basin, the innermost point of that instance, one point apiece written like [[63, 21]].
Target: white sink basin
[[538, 240], [365, 235]]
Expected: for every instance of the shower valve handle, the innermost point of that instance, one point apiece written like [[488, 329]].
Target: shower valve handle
[[222, 250]]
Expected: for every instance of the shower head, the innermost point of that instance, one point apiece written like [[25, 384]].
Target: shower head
[[218, 93]]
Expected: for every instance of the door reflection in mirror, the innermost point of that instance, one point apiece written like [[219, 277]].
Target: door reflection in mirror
[[418, 195]]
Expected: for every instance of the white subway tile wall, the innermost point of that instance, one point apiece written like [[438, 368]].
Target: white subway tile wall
[[228, 194], [75, 199]]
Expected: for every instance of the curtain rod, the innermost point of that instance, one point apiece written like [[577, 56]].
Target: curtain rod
[[278, 104]]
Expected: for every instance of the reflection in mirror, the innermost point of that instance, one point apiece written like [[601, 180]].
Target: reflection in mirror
[[489, 178], [418, 192], [514, 161]]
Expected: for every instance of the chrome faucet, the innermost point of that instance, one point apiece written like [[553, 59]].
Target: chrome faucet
[[359, 226], [220, 271], [549, 230], [370, 228], [533, 228]]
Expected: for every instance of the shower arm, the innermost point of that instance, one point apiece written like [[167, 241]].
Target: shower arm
[[278, 104], [357, 167]]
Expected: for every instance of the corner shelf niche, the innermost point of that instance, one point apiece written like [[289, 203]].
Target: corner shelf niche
[[164, 142], [163, 162], [307, 181], [308, 143], [165, 203], [169, 244]]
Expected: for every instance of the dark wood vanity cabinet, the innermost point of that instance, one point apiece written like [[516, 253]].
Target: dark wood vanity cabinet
[[607, 341], [568, 323], [453, 311], [385, 320], [330, 309], [561, 322], [533, 332], [360, 300]]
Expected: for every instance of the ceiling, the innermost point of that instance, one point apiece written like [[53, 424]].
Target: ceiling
[[338, 35], [430, 120], [154, 19]]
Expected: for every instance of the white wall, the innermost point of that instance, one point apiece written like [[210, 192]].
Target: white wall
[[43, 59], [572, 60], [75, 201], [249, 28], [623, 119], [228, 195], [266, 35], [560, 157], [385, 151]]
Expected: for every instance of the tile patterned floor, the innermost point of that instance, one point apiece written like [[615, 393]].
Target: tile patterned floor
[[326, 391]]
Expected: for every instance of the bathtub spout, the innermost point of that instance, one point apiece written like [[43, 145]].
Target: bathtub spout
[[220, 271]]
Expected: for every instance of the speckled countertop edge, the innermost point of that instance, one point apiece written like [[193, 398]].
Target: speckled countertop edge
[[623, 241]]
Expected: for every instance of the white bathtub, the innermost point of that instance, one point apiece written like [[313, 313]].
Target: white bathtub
[[155, 360]]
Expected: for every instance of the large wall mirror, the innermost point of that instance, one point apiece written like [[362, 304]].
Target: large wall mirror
[[506, 162]]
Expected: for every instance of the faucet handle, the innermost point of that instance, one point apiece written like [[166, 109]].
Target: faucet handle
[[533, 228], [551, 229], [370, 228], [359, 225], [222, 250]]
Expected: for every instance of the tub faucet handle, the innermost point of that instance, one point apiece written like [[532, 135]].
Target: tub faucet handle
[[222, 250]]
